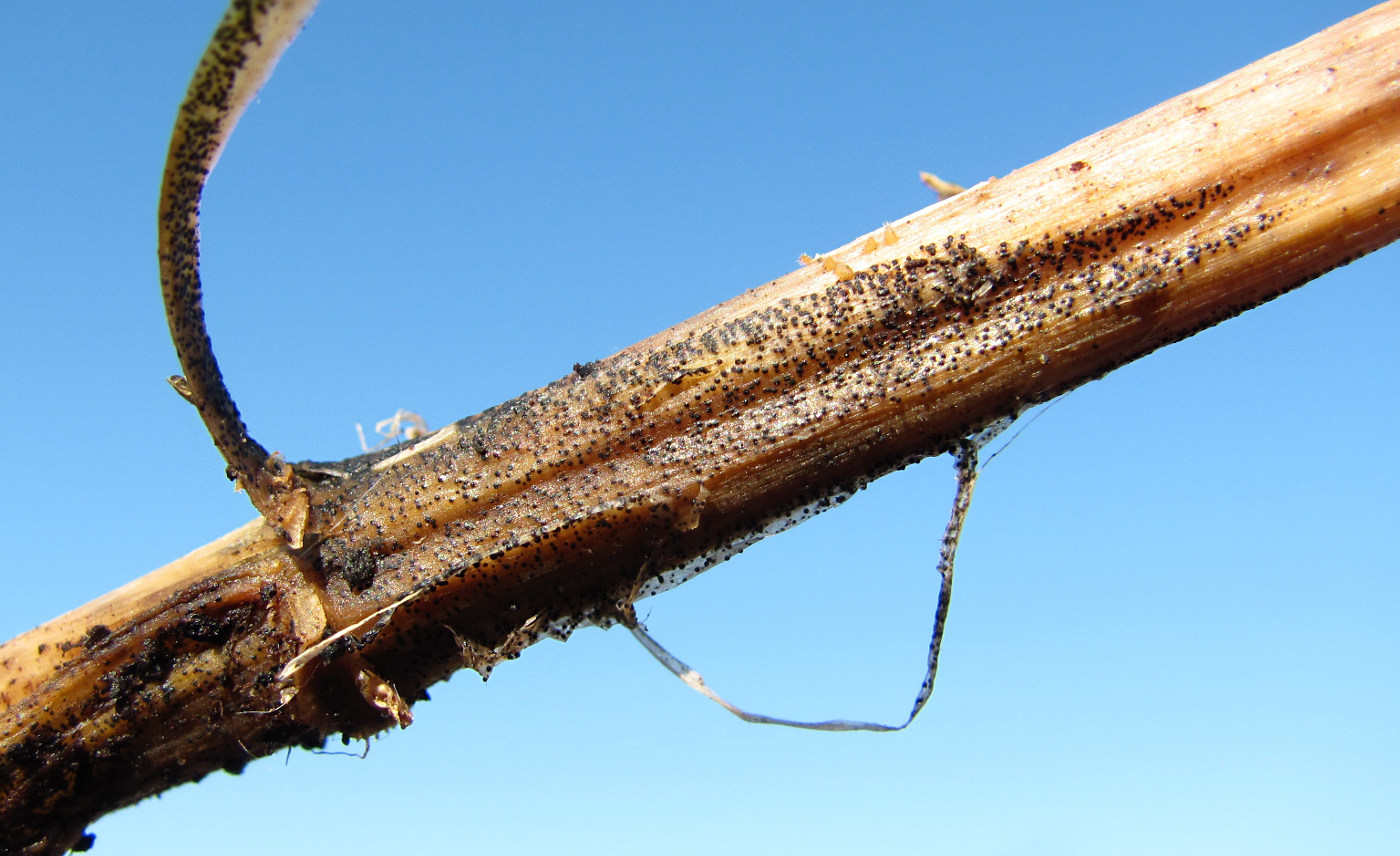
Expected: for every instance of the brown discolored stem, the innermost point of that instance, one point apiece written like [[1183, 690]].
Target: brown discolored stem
[[635, 472], [239, 59]]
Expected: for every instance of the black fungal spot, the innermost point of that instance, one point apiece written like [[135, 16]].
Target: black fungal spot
[[339, 648], [95, 634], [29, 754], [213, 629], [358, 569], [355, 565], [151, 665]]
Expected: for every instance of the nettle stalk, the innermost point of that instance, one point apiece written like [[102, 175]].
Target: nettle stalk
[[370, 579]]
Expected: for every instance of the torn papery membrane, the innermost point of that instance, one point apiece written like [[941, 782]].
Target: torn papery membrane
[[965, 461]]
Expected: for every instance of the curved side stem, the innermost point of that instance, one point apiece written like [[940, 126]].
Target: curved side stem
[[240, 58]]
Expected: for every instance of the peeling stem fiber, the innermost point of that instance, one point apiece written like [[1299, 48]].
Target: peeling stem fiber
[[636, 472]]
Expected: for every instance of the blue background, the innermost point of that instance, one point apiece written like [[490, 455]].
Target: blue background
[[1174, 628]]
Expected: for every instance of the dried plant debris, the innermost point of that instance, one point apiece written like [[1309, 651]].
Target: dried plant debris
[[404, 425], [944, 189], [965, 462]]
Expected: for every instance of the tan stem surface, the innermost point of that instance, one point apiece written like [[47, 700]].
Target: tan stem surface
[[640, 470]]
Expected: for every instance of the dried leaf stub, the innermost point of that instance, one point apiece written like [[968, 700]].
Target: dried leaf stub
[[382, 695], [841, 269], [181, 386], [289, 504], [690, 517], [944, 189]]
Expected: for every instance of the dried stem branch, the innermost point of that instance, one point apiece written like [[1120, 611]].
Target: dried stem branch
[[239, 59], [634, 473]]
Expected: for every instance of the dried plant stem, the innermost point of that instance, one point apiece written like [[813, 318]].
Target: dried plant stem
[[636, 472], [240, 58]]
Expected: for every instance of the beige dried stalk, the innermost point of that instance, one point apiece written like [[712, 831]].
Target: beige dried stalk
[[636, 472]]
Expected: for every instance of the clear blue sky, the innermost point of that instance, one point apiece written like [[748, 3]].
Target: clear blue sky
[[1174, 628]]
